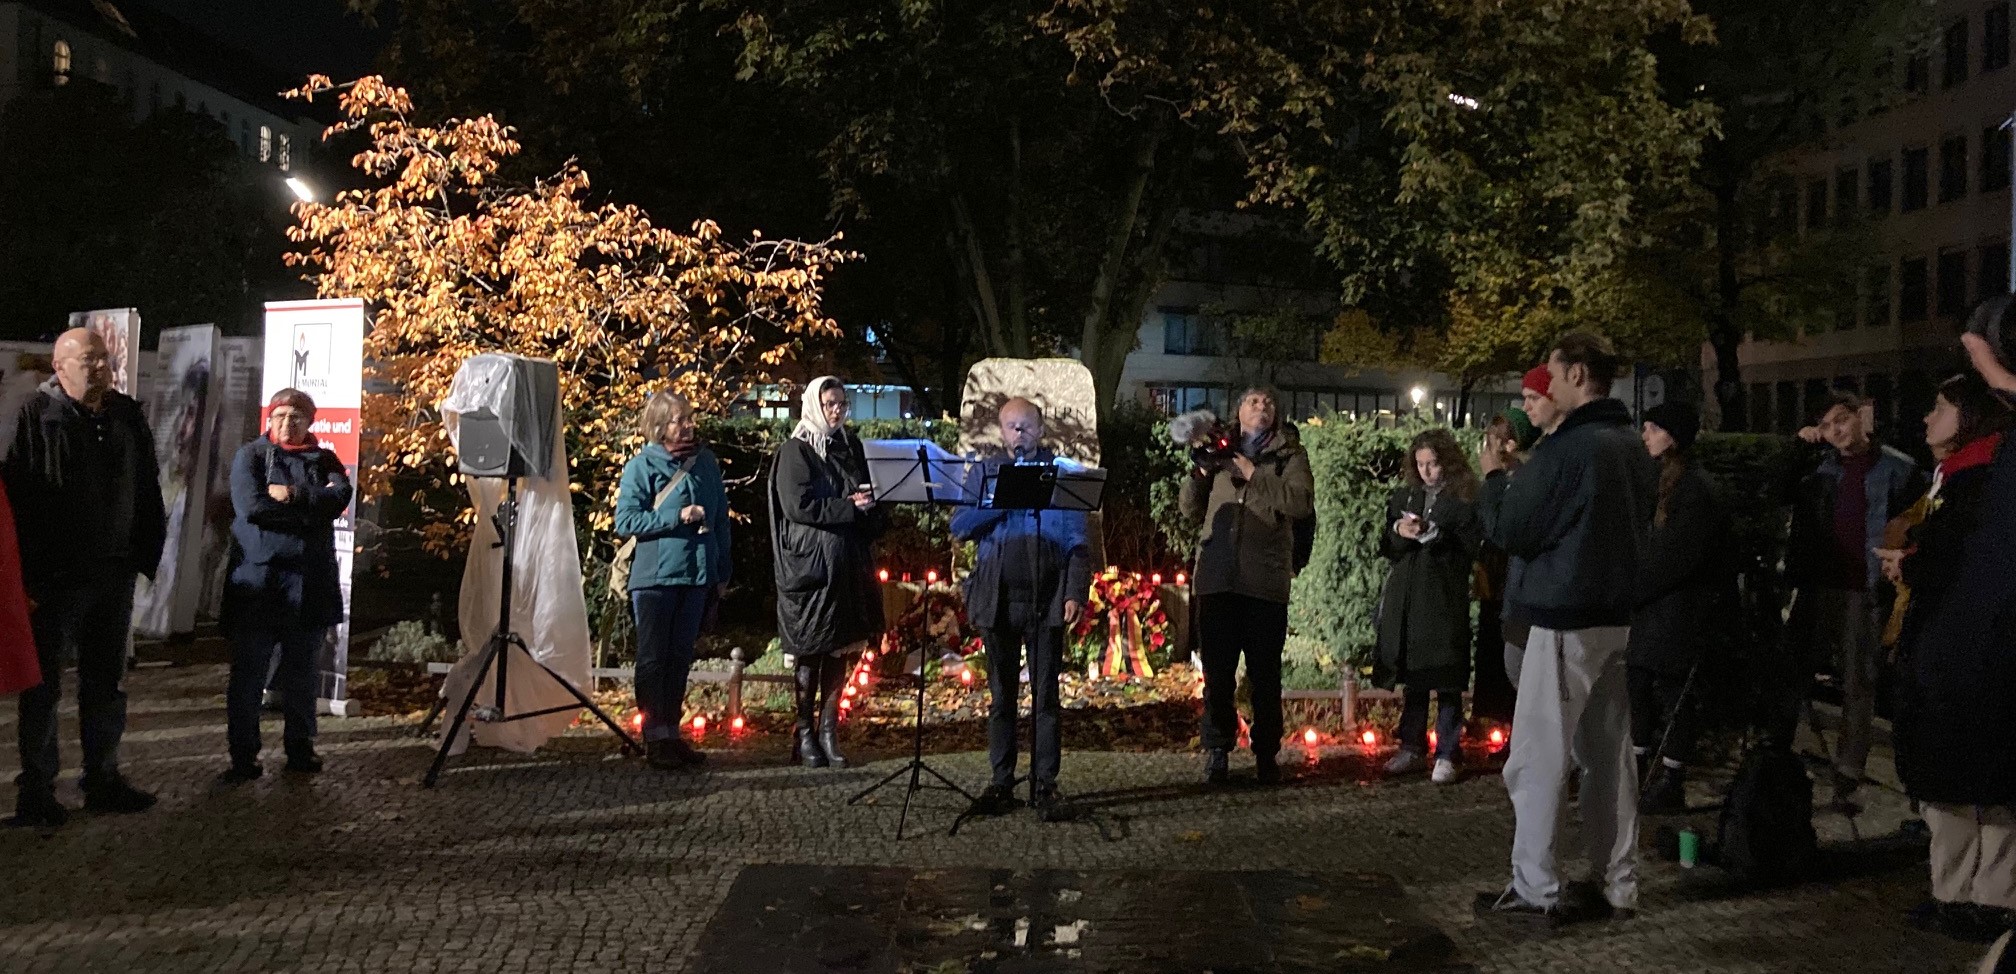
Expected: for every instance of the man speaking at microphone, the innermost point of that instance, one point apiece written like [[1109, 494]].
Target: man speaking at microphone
[[1031, 573]]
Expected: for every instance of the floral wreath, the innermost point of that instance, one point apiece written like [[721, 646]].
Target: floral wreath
[[1122, 625]]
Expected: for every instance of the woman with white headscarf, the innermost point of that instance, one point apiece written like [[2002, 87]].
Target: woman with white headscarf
[[823, 522]]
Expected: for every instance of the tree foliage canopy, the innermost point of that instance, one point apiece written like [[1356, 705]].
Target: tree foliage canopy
[[1016, 171], [455, 260]]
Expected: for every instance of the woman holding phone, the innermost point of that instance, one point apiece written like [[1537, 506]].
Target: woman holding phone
[[1431, 536], [824, 522]]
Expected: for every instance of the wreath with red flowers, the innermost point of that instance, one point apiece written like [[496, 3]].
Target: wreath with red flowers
[[1124, 631]]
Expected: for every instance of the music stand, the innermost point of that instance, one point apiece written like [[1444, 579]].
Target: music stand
[[913, 472], [1037, 487]]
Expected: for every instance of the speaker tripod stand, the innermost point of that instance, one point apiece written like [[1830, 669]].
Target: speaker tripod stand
[[497, 653]]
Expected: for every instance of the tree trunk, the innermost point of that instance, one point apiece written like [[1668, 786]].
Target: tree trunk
[[1105, 344], [1015, 266], [1725, 336]]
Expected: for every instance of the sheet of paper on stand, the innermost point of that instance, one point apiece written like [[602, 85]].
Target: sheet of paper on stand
[[904, 475]]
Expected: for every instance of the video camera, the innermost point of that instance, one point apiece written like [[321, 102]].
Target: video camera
[[1212, 445]]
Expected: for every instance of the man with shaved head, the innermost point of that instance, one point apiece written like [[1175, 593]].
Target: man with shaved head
[[87, 500], [1030, 578]]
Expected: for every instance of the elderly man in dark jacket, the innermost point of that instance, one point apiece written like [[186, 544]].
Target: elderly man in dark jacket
[[1574, 522], [1031, 575], [87, 503]]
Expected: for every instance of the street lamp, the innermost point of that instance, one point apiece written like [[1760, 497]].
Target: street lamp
[[1418, 394], [301, 190]]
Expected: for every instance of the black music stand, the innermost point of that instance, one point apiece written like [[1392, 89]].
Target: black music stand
[[916, 477], [1037, 487]]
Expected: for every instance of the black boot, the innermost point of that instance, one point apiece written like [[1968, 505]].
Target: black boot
[[805, 690], [833, 672]]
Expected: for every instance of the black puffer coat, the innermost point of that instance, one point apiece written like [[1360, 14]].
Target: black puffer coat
[[1685, 587], [1956, 700], [1424, 611], [827, 594]]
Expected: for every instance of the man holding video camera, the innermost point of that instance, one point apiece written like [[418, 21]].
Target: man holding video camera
[[1250, 488]]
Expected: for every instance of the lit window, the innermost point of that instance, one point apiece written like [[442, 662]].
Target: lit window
[[265, 144], [286, 153], [61, 62]]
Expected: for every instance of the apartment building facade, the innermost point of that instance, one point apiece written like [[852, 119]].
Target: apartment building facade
[[154, 63], [1932, 173]]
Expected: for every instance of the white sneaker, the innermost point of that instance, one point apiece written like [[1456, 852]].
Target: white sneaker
[[1445, 772], [1405, 762]]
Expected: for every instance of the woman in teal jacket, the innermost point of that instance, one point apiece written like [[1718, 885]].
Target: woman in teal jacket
[[681, 563]]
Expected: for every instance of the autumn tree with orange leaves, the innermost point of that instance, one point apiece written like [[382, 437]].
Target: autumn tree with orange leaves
[[454, 261]]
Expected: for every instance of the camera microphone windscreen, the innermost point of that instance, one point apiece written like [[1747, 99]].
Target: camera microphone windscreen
[[1189, 427]]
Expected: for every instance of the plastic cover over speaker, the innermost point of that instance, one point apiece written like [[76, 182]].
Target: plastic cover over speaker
[[497, 395]]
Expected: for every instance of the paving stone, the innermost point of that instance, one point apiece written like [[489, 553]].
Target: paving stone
[[575, 859]]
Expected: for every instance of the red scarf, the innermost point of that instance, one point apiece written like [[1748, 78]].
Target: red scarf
[[1974, 454]]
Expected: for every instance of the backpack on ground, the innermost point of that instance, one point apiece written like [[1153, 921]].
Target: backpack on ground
[[1767, 820]]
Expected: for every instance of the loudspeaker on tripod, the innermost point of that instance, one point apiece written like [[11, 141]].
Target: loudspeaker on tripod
[[511, 434]]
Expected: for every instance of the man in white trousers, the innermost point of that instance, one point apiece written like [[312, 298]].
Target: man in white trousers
[[1574, 522]]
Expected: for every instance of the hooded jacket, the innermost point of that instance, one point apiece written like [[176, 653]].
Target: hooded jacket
[[1575, 521], [1248, 544], [83, 500]]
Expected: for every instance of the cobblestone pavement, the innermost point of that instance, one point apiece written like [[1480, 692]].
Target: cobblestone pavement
[[579, 860]]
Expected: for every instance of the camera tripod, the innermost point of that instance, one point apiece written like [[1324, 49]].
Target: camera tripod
[[496, 652]]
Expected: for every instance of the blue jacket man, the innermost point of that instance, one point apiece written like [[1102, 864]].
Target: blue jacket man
[[1030, 577], [1838, 516]]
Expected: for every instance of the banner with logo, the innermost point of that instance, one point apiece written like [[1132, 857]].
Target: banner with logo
[[237, 423], [318, 348], [182, 406], [120, 328]]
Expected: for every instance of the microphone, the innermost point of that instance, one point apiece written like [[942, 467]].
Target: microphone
[[1019, 451]]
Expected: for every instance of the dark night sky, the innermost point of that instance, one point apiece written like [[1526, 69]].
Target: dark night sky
[[297, 37]]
